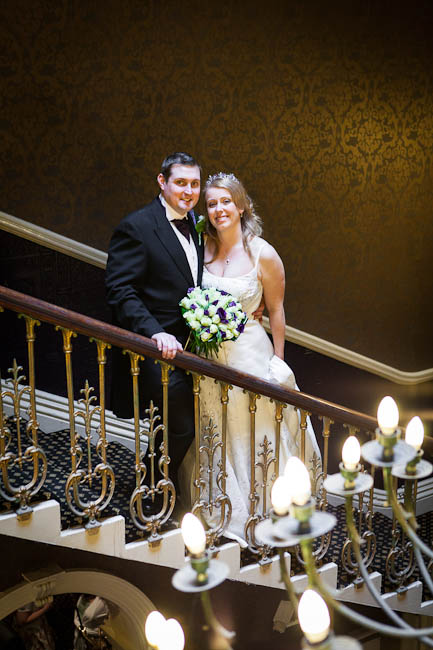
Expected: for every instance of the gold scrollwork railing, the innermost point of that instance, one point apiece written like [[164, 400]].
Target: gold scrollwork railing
[[210, 466], [400, 561], [27, 450], [147, 493], [152, 478]]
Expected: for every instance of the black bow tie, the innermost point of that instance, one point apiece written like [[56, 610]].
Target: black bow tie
[[183, 226]]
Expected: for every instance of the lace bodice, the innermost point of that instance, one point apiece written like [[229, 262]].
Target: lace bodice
[[246, 288]]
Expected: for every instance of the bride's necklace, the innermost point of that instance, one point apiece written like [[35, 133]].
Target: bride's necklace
[[228, 257]]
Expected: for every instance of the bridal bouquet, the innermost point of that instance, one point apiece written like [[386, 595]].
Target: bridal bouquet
[[213, 316]]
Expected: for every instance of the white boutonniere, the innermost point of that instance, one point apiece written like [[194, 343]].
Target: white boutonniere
[[200, 226]]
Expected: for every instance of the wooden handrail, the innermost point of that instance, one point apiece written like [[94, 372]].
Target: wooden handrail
[[124, 339]]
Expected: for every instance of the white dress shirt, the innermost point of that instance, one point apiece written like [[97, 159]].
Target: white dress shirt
[[188, 246]]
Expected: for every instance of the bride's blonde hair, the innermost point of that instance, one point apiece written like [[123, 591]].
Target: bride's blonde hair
[[251, 223]]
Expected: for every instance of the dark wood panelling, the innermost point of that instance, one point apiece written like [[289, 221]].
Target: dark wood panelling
[[323, 109]]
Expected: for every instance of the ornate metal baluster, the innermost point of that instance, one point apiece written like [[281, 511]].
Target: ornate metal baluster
[[400, 561], [315, 464], [75, 450], [208, 449], [279, 407], [164, 486], [165, 368], [30, 337], [322, 544], [253, 497], [5, 438], [32, 453], [101, 447], [326, 432], [319, 491], [141, 490], [365, 521], [212, 492], [223, 466], [303, 426], [196, 379], [87, 415], [263, 551], [369, 535], [268, 460], [89, 508], [16, 396]]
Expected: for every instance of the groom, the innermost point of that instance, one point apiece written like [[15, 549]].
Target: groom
[[153, 258]]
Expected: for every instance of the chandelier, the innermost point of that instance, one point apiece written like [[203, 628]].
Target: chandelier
[[295, 521]]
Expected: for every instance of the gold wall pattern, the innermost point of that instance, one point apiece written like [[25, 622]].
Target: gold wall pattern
[[323, 109]]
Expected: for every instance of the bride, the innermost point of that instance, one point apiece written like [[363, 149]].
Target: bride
[[239, 261]]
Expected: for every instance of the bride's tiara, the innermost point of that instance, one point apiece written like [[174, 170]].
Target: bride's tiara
[[221, 176]]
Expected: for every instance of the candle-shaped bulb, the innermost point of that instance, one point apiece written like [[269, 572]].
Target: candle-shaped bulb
[[415, 433], [193, 534], [280, 496], [299, 481], [173, 637], [351, 453], [387, 415], [313, 616], [154, 628]]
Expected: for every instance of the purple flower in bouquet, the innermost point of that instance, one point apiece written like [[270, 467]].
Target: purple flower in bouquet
[[222, 314]]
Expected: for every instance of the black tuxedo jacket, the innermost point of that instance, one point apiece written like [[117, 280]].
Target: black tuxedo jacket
[[147, 275]]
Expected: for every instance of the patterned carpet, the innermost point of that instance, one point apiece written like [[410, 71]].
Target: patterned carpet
[[56, 447], [122, 461]]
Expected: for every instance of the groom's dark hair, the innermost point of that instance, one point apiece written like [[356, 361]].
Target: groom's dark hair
[[178, 158]]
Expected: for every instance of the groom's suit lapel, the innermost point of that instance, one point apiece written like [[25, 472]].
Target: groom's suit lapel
[[170, 242], [199, 247]]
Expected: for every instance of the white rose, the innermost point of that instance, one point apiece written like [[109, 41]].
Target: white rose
[[213, 329], [199, 313], [194, 324], [206, 321], [216, 319], [229, 334], [212, 310], [205, 336]]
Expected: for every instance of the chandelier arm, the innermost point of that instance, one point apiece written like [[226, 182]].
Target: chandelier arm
[[286, 579], [423, 569], [330, 596], [223, 635], [354, 536], [401, 515]]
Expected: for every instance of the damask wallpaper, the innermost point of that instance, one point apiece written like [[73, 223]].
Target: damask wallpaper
[[323, 109]]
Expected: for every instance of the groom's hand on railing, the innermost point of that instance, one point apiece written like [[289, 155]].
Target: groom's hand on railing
[[167, 344]]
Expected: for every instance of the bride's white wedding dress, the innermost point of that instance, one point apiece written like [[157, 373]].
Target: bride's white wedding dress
[[253, 353]]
